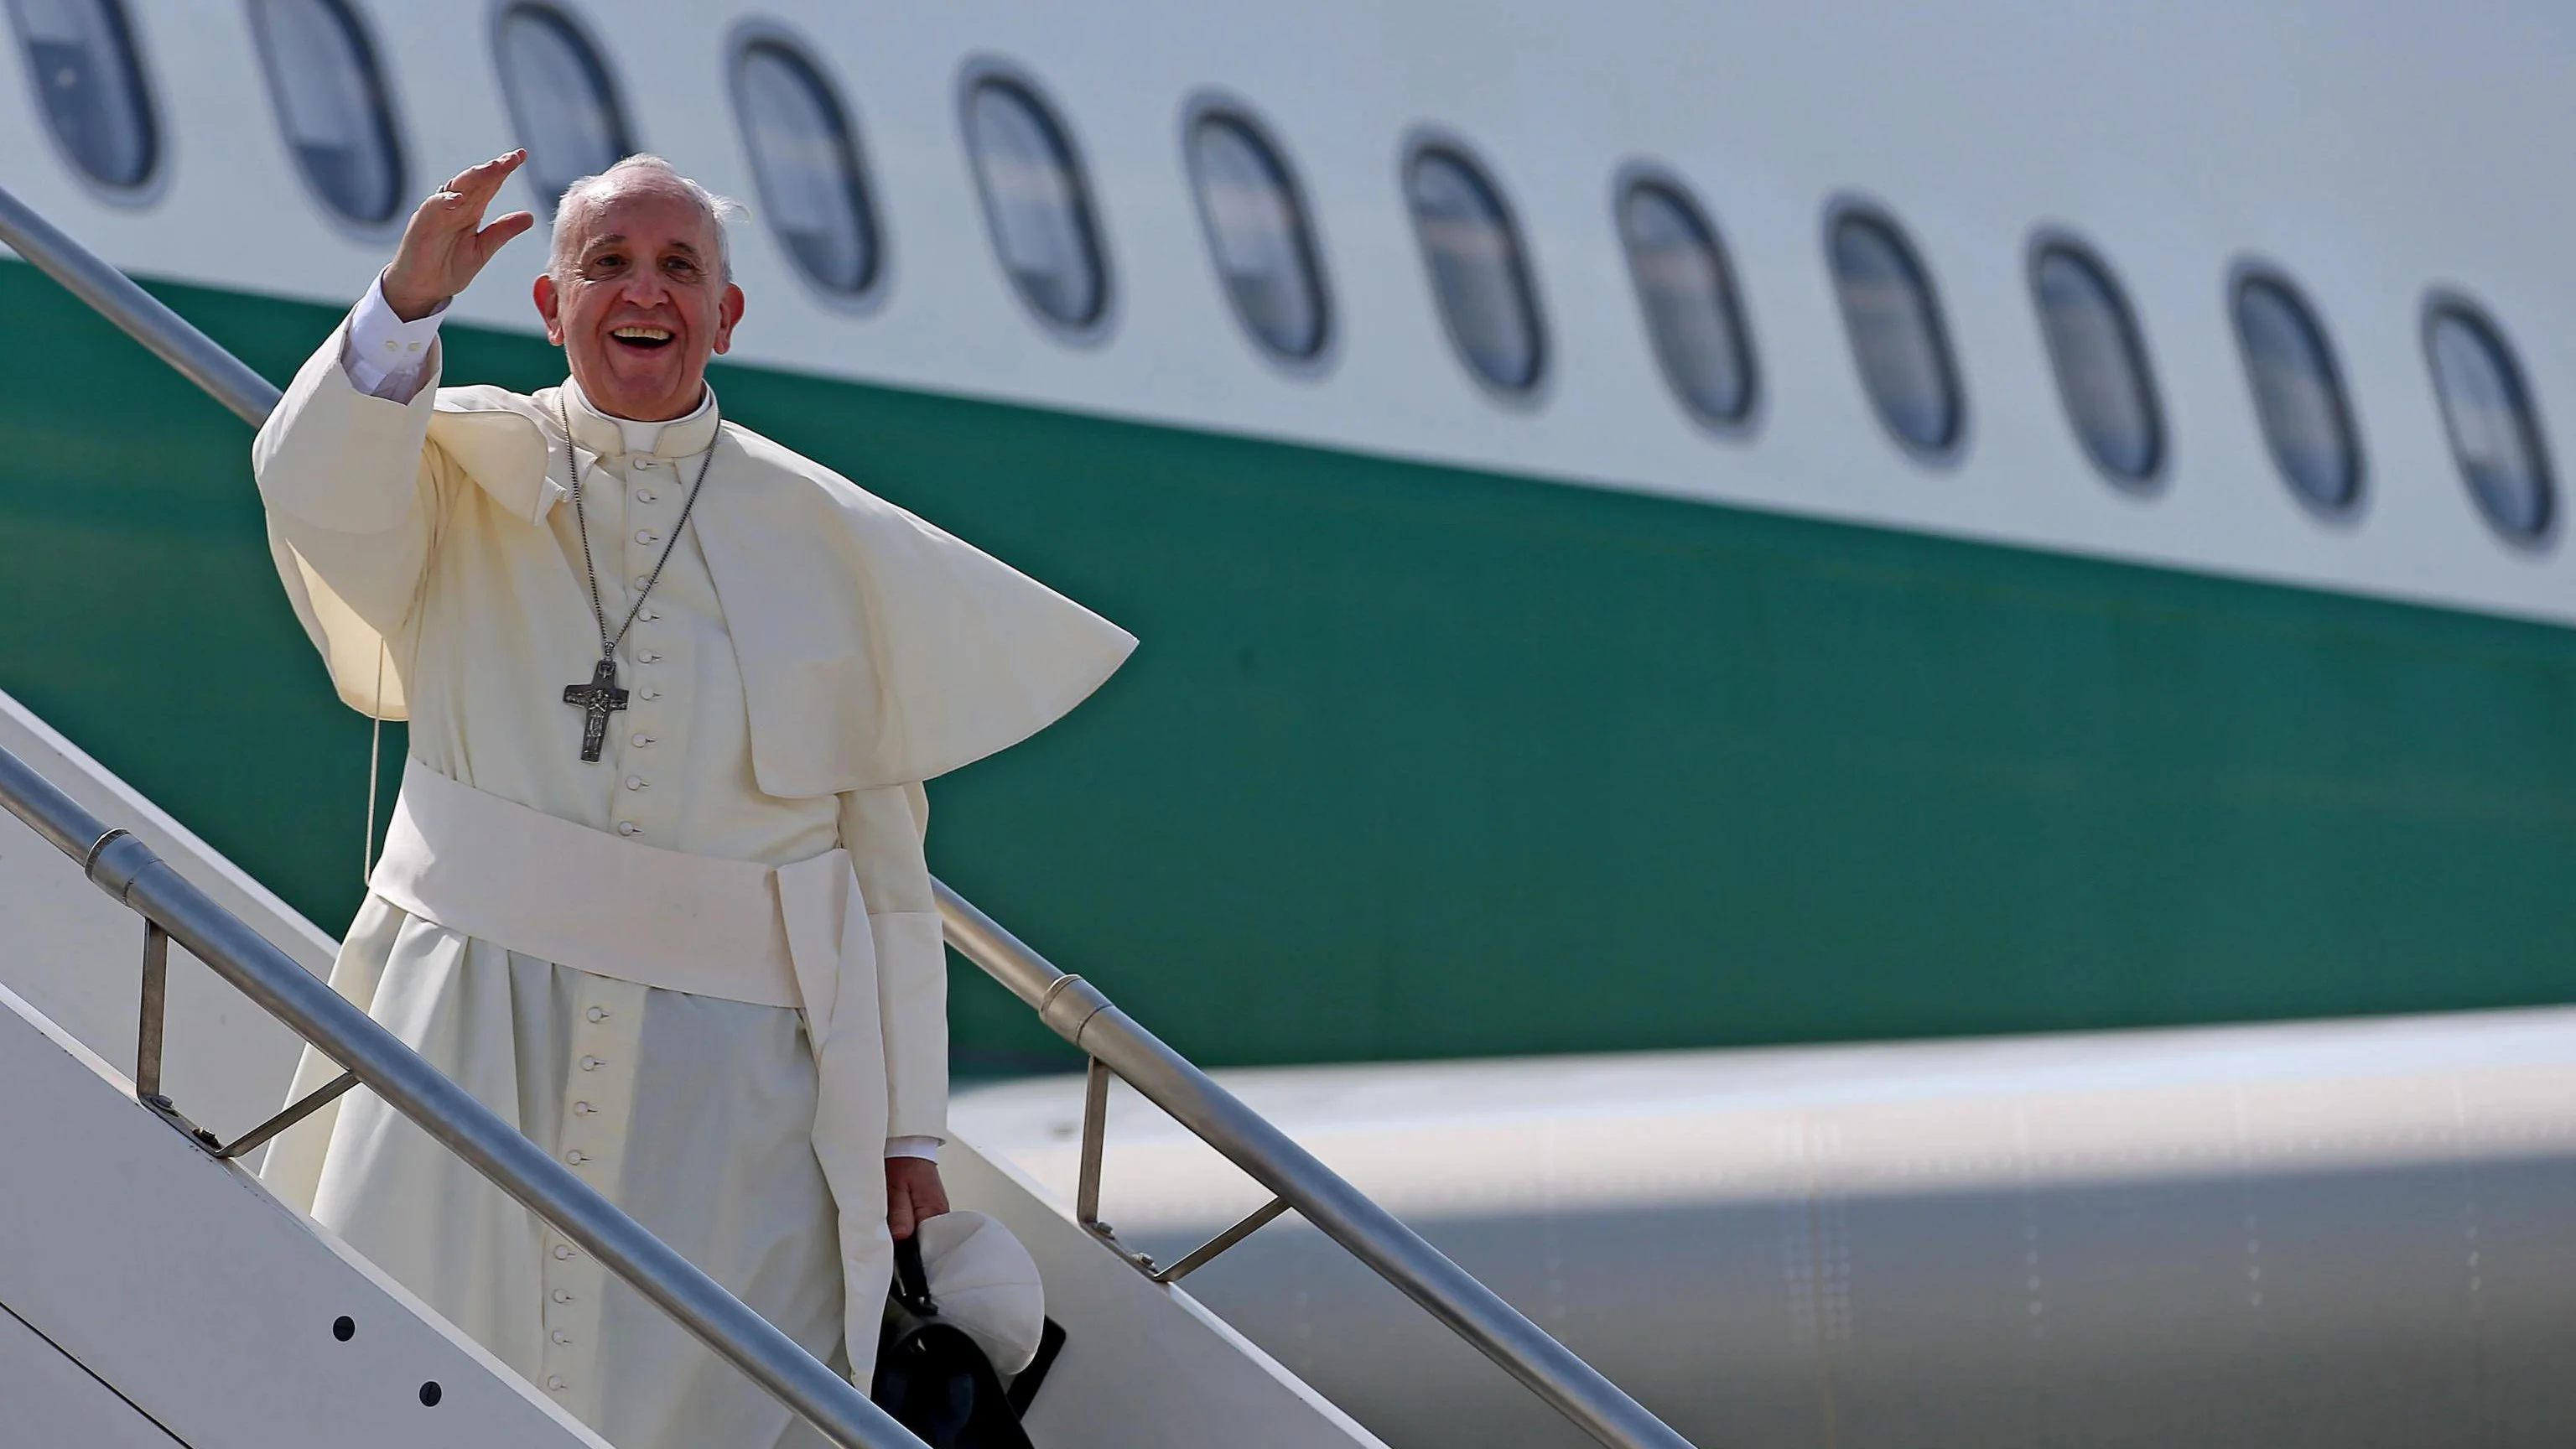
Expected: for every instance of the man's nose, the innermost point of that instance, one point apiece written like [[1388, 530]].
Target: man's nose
[[644, 288]]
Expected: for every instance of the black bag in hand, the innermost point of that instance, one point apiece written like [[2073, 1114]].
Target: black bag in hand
[[935, 1380]]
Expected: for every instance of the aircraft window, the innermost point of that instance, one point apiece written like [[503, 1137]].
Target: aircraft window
[[1688, 292], [2495, 431], [1036, 202], [562, 98], [331, 102], [1258, 234], [1894, 322], [81, 58], [2298, 393], [1479, 272], [2100, 360], [807, 159]]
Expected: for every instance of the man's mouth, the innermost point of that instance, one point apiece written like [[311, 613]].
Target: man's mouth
[[643, 338]]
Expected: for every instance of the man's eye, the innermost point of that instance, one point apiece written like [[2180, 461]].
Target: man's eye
[[607, 262]]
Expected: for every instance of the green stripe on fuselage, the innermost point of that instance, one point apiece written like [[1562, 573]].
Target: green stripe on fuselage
[[1416, 761]]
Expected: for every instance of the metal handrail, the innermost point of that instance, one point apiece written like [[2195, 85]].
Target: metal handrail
[[136, 877], [1071, 1006], [1078, 1012], [114, 296]]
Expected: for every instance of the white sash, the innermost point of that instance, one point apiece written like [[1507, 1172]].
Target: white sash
[[485, 867], [791, 936]]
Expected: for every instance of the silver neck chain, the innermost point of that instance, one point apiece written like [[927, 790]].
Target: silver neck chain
[[572, 467]]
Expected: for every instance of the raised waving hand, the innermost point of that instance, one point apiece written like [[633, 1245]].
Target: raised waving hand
[[446, 243]]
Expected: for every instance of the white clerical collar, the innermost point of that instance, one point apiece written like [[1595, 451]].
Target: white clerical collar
[[689, 432]]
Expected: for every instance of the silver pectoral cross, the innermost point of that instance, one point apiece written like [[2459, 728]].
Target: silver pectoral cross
[[597, 698]]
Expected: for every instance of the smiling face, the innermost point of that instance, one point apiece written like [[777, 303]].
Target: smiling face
[[639, 302]]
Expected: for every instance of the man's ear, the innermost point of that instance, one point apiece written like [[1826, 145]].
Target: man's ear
[[728, 313], [549, 306]]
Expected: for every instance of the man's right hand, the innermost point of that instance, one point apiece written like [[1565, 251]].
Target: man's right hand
[[446, 243]]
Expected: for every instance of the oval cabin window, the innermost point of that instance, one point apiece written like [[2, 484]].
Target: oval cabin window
[[1688, 292], [2298, 394], [331, 103], [88, 79], [1897, 338], [1479, 271], [1037, 203], [805, 154], [2494, 429], [2100, 360], [1258, 235], [563, 99]]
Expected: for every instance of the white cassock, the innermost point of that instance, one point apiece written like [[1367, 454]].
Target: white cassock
[[705, 971]]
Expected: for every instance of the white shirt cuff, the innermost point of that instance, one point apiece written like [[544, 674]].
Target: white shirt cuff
[[385, 356], [925, 1148]]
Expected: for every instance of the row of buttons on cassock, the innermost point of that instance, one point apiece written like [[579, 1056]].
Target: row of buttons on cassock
[[575, 1157], [645, 690]]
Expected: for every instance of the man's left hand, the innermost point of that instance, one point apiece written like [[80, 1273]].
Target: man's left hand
[[912, 1193]]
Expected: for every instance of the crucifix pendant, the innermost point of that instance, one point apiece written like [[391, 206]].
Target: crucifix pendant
[[597, 698]]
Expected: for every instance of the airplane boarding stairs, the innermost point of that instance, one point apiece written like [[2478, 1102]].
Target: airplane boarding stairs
[[151, 1292]]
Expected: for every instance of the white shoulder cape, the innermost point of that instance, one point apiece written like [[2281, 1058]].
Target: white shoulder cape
[[875, 649]]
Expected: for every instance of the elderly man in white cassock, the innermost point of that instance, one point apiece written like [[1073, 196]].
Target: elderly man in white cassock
[[654, 888]]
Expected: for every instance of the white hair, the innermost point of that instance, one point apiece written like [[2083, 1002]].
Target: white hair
[[586, 194]]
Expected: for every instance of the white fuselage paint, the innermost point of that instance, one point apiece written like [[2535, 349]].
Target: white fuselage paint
[[2373, 155]]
